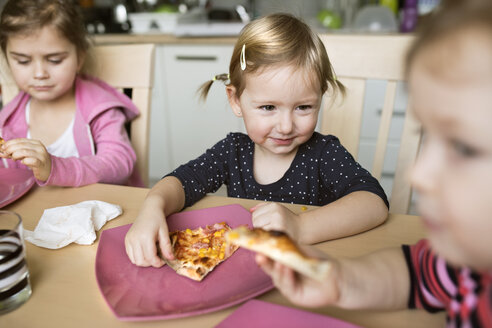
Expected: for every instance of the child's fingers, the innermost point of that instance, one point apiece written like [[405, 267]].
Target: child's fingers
[[35, 158], [32, 162], [165, 244], [133, 250], [18, 152], [269, 217], [254, 208], [155, 260], [282, 276], [261, 217], [264, 263], [24, 148], [138, 256], [149, 253], [129, 251], [285, 278]]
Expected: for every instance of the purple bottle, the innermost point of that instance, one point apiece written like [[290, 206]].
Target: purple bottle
[[409, 16]]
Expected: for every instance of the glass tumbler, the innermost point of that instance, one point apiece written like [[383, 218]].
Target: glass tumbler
[[15, 287]]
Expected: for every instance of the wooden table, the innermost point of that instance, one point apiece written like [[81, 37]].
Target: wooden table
[[65, 292]]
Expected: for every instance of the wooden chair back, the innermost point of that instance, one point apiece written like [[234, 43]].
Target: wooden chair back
[[125, 67], [355, 59]]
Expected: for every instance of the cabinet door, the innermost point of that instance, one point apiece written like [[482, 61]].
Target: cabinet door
[[182, 126]]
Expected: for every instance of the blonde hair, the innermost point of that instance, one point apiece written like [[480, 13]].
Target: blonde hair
[[274, 39]]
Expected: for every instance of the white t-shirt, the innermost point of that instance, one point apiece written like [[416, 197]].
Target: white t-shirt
[[64, 146]]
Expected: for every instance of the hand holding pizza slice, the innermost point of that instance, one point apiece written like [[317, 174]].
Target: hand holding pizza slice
[[279, 247]]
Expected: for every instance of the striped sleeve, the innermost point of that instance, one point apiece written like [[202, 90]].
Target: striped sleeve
[[466, 295], [432, 284]]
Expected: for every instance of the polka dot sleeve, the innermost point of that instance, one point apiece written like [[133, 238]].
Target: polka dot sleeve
[[342, 174]]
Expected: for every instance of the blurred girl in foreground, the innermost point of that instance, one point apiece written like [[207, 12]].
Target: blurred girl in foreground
[[450, 85]]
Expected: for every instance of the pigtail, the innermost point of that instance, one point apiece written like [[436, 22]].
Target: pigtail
[[338, 86], [205, 87], [335, 84]]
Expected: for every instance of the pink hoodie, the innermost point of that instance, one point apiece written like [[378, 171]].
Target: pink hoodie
[[105, 152]]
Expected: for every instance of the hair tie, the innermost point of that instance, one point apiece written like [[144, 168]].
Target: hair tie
[[222, 77], [333, 75], [242, 58]]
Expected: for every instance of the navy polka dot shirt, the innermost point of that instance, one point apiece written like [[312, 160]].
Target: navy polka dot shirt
[[321, 172]]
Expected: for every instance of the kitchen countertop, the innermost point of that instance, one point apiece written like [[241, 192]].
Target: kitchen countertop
[[159, 39]]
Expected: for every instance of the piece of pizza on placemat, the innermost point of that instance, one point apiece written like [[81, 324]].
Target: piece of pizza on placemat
[[197, 252]]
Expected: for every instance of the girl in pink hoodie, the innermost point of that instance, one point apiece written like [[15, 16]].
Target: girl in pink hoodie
[[68, 128]]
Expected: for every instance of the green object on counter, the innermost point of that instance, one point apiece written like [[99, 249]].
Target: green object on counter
[[166, 9], [391, 4], [329, 19]]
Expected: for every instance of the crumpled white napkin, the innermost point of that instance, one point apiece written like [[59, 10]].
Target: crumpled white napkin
[[60, 226]]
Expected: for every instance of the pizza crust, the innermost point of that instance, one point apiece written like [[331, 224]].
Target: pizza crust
[[279, 247], [193, 272]]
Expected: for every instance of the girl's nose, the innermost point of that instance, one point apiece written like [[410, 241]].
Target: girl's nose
[[40, 71], [425, 172], [285, 123]]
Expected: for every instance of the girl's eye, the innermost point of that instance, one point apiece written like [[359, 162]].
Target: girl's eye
[[267, 107], [22, 62], [55, 60], [463, 150], [304, 107]]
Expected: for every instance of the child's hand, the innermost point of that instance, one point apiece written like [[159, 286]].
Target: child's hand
[[148, 230], [300, 289], [273, 216], [31, 153]]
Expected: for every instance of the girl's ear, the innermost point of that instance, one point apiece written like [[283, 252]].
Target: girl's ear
[[233, 100], [81, 60]]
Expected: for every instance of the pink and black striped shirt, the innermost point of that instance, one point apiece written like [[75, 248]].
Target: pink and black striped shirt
[[464, 294]]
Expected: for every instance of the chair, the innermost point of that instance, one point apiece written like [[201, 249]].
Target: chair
[[357, 58], [125, 67]]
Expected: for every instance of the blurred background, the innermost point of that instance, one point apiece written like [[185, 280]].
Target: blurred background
[[179, 16]]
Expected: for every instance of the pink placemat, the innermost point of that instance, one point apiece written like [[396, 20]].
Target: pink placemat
[[136, 293], [14, 183], [259, 314]]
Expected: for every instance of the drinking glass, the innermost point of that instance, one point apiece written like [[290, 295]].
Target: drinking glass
[[15, 287]]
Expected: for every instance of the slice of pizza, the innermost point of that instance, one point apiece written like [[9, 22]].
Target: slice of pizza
[[197, 252], [279, 247]]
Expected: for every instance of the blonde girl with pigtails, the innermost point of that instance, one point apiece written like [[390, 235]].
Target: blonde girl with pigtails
[[278, 74]]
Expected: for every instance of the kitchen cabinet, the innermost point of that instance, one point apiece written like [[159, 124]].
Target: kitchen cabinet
[[183, 127]]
